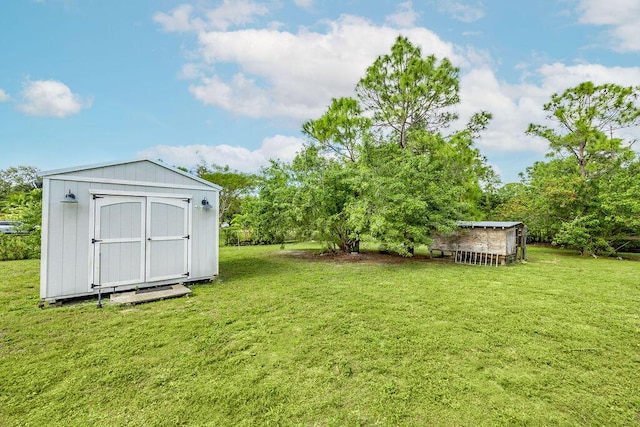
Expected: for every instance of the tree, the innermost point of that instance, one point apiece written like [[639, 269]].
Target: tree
[[406, 198], [406, 92], [269, 215], [551, 193], [380, 166], [17, 179], [327, 174], [235, 187], [586, 118], [580, 198], [434, 179], [341, 130]]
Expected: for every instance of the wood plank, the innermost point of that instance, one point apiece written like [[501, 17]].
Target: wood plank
[[146, 295]]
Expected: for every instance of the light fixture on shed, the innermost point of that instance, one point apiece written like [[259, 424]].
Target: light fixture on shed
[[69, 198], [205, 204]]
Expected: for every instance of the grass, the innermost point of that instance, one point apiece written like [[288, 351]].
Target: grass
[[284, 339]]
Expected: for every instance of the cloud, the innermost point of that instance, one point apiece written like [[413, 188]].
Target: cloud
[[286, 74], [304, 4], [405, 17], [461, 11], [620, 16], [229, 13], [292, 75], [4, 96], [50, 98], [515, 106], [179, 20], [239, 158]]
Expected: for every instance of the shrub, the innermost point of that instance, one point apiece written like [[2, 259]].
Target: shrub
[[19, 246]]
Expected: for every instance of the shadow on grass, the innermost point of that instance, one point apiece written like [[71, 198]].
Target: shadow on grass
[[251, 267], [364, 256]]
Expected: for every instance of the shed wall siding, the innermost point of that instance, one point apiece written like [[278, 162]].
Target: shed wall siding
[[142, 171], [483, 240], [487, 240]]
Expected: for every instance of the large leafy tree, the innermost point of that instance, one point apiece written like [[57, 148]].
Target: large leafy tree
[[340, 131], [433, 176], [325, 192], [380, 165], [585, 119], [328, 172], [580, 197], [20, 201], [407, 92], [269, 215], [17, 179], [236, 186]]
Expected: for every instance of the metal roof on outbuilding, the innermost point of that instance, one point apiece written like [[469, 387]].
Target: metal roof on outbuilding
[[488, 224]]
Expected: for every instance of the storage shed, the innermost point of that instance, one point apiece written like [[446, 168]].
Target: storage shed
[[125, 225], [484, 242]]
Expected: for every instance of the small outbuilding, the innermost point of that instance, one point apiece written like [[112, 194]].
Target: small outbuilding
[[125, 225], [484, 242]]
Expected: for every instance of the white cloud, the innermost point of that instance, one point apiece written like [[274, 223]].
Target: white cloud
[[50, 98], [515, 106], [228, 13], [621, 16], [179, 20], [404, 17], [296, 74], [559, 76], [4, 96], [239, 158], [305, 4], [460, 11]]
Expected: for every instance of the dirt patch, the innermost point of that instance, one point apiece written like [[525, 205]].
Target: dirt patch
[[370, 257]]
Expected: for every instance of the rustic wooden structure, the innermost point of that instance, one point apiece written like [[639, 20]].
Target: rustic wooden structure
[[484, 243]]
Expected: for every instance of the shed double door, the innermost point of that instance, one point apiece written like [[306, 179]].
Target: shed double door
[[140, 240]]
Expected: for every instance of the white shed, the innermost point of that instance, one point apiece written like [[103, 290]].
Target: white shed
[[125, 225]]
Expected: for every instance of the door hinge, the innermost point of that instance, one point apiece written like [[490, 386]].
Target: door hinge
[[94, 241], [187, 237], [186, 274], [95, 196]]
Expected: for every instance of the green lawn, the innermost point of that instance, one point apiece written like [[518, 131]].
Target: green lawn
[[282, 339]]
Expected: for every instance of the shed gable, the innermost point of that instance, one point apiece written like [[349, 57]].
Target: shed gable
[[137, 171]]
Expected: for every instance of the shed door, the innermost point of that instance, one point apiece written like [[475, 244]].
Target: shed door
[[168, 239], [140, 239], [119, 241]]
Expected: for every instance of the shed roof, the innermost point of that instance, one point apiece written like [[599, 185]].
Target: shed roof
[[109, 164], [488, 224]]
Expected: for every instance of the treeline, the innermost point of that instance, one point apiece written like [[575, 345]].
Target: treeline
[[386, 166], [21, 204], [393, 164]]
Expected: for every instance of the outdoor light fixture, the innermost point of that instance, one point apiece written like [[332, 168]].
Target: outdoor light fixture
[[69, 198], [205, 204]]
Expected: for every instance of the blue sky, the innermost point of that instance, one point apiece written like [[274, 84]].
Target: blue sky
[[231, 81]]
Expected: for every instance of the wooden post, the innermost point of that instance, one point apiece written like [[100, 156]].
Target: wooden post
[[523, 242]]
